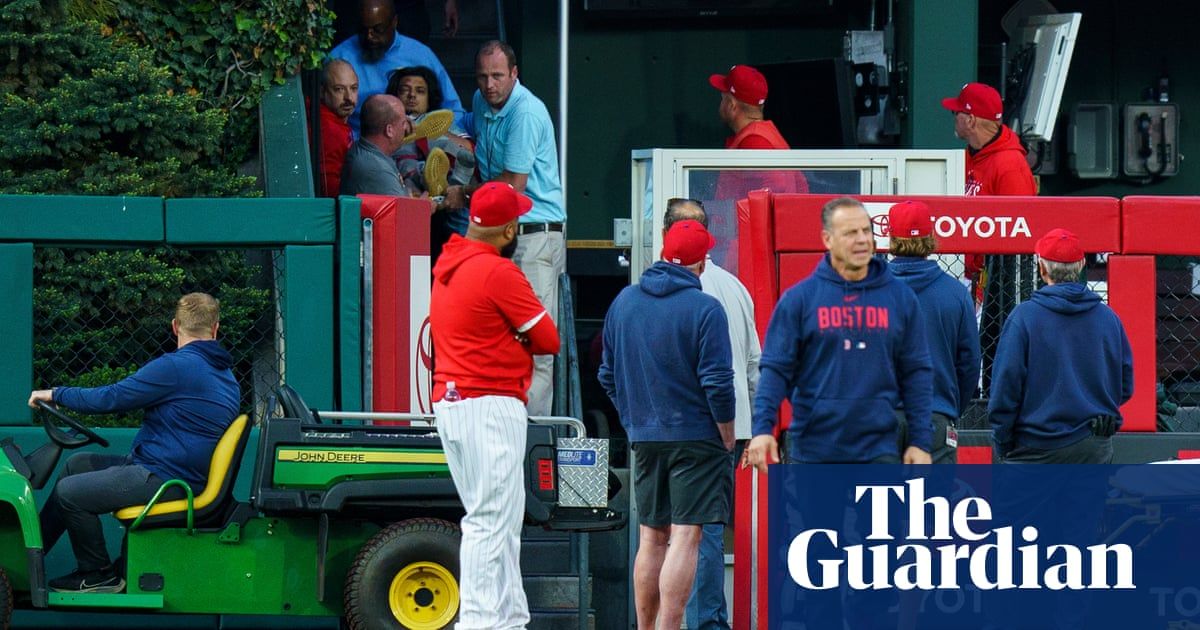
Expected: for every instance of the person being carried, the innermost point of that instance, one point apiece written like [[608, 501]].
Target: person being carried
[[190, 398]]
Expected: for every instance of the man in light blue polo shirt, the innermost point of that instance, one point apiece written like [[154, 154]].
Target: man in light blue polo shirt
[[378, 49], [515, 144]]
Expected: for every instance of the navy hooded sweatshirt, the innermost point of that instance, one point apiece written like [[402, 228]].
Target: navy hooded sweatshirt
[[190, 398], [848, 354], [950, 331], [667, 364], [1062, 359]]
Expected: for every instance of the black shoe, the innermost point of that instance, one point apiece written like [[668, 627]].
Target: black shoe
[[103, 581]]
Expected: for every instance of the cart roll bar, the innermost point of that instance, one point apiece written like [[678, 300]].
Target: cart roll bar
[[190, 509], [575, 423]]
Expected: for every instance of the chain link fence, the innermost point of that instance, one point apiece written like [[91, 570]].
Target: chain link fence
[[100, 314]]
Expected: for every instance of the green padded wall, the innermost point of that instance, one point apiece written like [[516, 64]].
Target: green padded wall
[[308, 322], [349, 303], [287, 170], [274, 221], [66, 218], [16, 320], [940, 41]]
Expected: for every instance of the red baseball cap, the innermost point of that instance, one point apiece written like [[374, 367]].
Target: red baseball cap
[[497, 203], [687, 243], [976, 99], [745, 84], [1059, 245], [910, 219]]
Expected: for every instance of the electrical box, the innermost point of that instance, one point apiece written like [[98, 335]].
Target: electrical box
[[1150, 139], [622, 232], [1092, 141]]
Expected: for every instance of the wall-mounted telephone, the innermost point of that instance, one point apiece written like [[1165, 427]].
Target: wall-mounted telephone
[[1151, 140]]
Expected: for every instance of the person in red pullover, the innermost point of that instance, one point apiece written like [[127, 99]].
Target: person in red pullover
[[339, 97], [487, 324], [996, 162], [996, 165]]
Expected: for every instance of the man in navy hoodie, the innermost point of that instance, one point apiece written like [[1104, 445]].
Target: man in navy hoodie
[[190, 398], [667, 367], [1063, 368], [949, 323], [847, 345]]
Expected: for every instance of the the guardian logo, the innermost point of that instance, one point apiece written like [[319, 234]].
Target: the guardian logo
[[961, 530]]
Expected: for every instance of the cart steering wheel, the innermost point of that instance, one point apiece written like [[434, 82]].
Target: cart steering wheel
[[82, 436]]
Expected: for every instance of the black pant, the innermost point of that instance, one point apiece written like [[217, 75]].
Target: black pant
[[93, 484]]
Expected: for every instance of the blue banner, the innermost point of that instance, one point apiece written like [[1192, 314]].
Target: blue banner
[[1004, 546]]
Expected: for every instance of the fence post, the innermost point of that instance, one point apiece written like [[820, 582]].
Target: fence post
[[16, 345], [308, 305]]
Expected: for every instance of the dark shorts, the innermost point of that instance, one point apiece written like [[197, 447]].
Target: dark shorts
[[942, 453], [682, 483]]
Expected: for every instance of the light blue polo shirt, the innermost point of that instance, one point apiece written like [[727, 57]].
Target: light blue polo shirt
[[373, 77], [520, 139]]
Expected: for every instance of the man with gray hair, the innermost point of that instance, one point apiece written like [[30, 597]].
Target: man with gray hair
[[1037, 415], [707, 609]]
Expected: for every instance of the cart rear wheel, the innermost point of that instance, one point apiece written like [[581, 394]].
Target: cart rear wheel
[[406, 576]]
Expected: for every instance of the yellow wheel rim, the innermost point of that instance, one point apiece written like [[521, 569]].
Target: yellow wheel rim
[[424, 596]]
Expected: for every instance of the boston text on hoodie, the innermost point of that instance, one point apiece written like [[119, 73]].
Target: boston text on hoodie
[[190, 398], [667, 365], [848, 353], [1062, 359]]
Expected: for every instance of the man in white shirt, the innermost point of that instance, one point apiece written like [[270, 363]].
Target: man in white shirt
[[707, 609]]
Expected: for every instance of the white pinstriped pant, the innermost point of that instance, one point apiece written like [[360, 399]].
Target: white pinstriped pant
[[484, 439]]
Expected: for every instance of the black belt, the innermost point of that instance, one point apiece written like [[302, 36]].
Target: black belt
[[534, 228]]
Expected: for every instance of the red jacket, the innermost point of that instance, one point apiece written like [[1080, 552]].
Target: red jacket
[[480, 302], [760, 134], [999, 168], [336, 139]]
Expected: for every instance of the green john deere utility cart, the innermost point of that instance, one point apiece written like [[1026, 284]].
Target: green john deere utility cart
[[353, 520]]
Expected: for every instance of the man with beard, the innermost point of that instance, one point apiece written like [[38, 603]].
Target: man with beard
[[378, 49], [487, 325], [339, 97]]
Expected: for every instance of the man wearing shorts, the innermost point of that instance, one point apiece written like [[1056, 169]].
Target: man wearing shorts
[[667, 367]]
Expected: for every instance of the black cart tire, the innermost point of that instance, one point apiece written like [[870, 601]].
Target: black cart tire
[[406, 576], [5, 601]]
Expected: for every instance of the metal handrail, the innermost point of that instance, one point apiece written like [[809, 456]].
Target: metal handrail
[[190, 507], [574, 423]]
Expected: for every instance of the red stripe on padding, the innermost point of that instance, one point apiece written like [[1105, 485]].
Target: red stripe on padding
[[1188, 454], [1131, 294], [974, 454]]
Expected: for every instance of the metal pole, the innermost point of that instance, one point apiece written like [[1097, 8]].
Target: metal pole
[[564, 13], [368, 312]]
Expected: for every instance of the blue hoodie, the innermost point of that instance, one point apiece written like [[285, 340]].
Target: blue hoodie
[[848, 353], [667, 363], [190, 398], [1062, 359], [950, 330]]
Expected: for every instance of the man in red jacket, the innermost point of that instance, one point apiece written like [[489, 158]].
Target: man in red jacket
[[339, 97], [487, 324], [996, 165], [996, 162]]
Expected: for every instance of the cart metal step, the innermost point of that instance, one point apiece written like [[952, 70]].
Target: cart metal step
[[105, 600]]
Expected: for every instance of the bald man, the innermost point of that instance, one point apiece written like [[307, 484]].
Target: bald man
[[369, 167], [378, 49]]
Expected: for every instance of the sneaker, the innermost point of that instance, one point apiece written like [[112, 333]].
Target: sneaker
[[431, 125], [103, 581], [437, 166]]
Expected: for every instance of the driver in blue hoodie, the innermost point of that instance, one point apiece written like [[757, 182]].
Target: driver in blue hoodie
[[847, 346], [1063, 368], [189, 396], [949, 323]]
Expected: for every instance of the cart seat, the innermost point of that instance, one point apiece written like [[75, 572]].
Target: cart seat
[[209, 505]]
